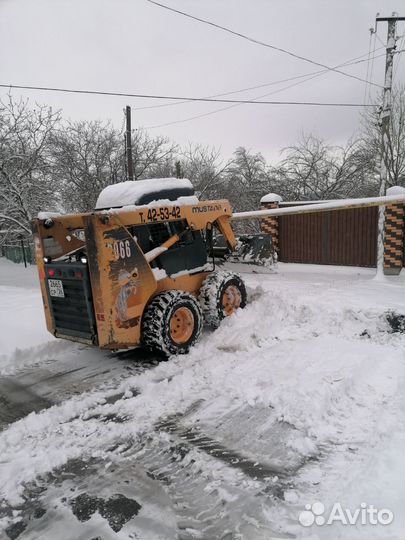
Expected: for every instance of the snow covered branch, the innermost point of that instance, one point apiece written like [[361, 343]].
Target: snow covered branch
[[9, 218]]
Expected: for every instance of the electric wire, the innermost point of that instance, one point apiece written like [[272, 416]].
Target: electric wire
[[379, 39], [222, 109], [177, 98], [350, 62], [256, 41]]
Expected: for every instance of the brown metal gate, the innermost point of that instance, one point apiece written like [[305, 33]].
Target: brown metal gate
[[342, 237]]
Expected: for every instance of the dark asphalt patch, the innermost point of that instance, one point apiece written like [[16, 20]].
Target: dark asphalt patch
[[38, 513], [14, 530], [396, 321], [17, 401], [117, 510]]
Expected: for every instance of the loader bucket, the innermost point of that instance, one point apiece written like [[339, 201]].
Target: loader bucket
[[251, 249], [256, 249]]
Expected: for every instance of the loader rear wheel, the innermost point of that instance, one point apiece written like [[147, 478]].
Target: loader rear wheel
[[221, 294], [172, 323]]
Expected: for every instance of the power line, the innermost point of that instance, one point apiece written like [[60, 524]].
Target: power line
[[351, 62], [379, 39], [222, 109], [190, 118], [203, 115], [178, 98], [228, 93], [256, 41]]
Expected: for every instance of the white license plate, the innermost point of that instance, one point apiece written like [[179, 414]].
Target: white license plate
[[56, 288]]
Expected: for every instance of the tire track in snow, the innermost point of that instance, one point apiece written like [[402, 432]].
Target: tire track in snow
[[193, 436], [225, 505], [74, 371]]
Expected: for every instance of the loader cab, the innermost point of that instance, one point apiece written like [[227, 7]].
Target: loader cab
[[187, 254]]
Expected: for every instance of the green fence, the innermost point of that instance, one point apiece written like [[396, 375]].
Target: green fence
[[16, 253]]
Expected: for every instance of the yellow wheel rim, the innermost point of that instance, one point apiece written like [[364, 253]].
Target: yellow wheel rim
[[181, 325]]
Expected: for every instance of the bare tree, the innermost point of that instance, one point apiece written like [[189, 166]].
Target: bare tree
[[247, 181], [25, 181], [153, 157], [87, 156], [311, 169], [204, 166]]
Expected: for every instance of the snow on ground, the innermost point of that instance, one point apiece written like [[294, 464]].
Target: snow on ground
[[21, 312], [306, 386]]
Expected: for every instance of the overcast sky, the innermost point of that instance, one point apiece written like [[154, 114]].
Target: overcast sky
[[133, 46]]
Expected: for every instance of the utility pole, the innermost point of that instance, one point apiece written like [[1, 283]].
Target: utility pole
[[385, 119], [128, 145]]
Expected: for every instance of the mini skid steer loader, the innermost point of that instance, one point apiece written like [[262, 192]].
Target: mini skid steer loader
[[135, 271]]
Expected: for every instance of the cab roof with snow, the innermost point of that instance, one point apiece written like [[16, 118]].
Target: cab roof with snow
[[142, 192]]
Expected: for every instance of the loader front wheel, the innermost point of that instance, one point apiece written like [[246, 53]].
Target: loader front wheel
[[172, 323], [221, 294]]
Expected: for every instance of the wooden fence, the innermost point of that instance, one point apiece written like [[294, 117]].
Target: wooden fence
[[340, 237], [344, 237]]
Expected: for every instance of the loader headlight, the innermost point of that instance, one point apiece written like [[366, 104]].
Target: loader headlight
[[83, 259], [47, 260]]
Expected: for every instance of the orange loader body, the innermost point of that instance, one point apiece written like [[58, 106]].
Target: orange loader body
[[99, 271]]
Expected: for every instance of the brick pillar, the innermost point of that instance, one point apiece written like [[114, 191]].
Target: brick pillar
[[394, 234], [393, 239], [269, 225]]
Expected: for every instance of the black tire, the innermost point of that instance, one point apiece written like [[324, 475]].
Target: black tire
[[212, 294], [158, 318]]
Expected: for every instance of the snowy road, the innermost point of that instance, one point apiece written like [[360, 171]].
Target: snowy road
[[297, 399]]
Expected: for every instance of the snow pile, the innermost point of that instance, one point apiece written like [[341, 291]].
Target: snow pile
[[21, 310], [271, 197], [396, 190], [159, 273], [129, 193], [48, 215]]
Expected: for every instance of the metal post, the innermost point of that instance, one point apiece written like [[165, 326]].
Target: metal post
[[178, 169], [125, 157], [385, 117], [23, 251], [130, 164]]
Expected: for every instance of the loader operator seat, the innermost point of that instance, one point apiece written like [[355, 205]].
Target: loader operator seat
[[189, 253]]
